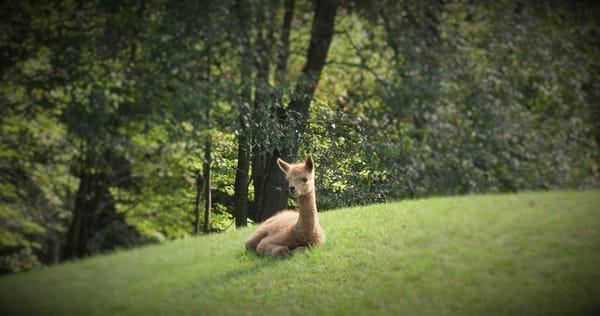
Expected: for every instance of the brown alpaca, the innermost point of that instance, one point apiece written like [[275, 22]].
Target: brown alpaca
[[290, 230]]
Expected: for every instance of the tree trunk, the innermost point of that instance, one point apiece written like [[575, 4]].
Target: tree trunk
[[262, 97], [86, 202], [275, 188], [275, 194], [240, 196], [207, 183], [316, 56], [208, 144], [264, 194], [241, 182], [76, 234], [284, 43], [54, 256], [258, 178], [92, 198], [197, 203]]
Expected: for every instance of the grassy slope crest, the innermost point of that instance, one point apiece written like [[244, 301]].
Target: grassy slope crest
[[528, 253]]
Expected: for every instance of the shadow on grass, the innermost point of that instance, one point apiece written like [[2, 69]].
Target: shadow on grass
[[254, 264]]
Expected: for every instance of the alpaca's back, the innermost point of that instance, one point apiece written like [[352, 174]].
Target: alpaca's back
[[281, 221]]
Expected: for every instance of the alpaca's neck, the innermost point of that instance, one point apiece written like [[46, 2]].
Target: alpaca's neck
[[308, 211]]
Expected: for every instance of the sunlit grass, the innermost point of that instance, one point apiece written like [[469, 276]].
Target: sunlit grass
[[524, 254]]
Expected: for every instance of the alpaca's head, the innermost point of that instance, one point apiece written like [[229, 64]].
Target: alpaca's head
[[301, 176]]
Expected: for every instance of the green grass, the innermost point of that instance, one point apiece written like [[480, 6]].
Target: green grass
[[523, 254]]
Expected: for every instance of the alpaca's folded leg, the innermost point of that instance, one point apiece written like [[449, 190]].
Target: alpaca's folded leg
[[268, 247], [280, 251], [255, 239], [264, 246], [300, 249]]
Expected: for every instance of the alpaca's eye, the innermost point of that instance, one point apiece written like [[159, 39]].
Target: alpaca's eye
[[304, 179]]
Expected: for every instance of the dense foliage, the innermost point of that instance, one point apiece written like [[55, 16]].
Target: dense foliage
[[106, 109]]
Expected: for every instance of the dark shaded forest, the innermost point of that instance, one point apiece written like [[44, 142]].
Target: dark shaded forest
[[133, 122]]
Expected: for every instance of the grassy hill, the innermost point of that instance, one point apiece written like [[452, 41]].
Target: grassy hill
[[523, 254]]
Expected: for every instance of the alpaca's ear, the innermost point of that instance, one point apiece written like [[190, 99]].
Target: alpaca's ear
[[309, 163], [284, 166]]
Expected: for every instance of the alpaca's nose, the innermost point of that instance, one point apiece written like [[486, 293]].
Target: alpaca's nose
[[292, 189]]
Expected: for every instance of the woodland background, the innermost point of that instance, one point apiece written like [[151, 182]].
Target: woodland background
[[133, 122]]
